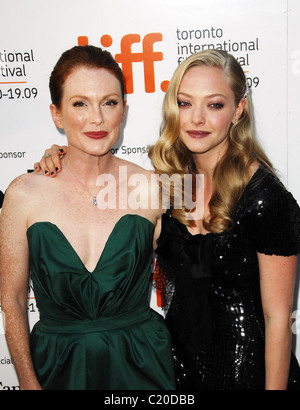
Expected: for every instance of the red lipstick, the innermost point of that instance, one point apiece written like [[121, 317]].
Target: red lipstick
[[96, 135], [198, 134]]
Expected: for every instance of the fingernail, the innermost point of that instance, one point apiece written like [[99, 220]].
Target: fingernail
[[61, 150]]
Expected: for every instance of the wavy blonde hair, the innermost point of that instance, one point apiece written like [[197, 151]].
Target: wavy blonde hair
[[231, 174]]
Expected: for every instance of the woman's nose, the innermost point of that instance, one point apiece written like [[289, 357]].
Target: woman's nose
[[96, 116], [198, 116]]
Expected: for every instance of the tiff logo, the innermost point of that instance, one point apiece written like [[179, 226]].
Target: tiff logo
[[127, 57]]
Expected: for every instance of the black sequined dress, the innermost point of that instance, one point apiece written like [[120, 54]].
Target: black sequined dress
[[212, 291]]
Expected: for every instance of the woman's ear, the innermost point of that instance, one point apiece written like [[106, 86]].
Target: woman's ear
[[56, 115], [239, 110], [124, 109]]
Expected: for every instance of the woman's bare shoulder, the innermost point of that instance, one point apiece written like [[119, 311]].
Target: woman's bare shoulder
[[25, 185]]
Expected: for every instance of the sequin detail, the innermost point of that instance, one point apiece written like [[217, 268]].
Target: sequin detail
[[267, 220]]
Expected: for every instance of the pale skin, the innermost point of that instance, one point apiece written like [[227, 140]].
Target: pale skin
[[91, 102]]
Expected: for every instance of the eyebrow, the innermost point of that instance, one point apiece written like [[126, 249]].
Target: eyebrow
[[207, 96], [103, 98]]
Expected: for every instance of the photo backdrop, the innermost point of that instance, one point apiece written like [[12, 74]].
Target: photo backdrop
[[149, 40]]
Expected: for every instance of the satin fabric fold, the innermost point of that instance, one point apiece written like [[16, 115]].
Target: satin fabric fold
[[96, 329]]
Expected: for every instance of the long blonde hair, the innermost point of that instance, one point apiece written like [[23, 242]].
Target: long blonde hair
[[231, 174]]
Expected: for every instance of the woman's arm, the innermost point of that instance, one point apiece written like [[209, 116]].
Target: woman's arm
[[277, 276], [52, 164], [14, 277]]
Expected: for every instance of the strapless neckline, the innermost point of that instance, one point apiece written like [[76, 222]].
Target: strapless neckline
[[121, 220]]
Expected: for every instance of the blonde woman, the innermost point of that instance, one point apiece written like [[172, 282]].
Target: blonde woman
[[230, 274]]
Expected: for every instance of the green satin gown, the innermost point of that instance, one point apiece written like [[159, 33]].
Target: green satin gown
[[96, 329]]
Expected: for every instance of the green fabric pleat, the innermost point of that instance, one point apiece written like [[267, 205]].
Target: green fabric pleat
[[96, 329]]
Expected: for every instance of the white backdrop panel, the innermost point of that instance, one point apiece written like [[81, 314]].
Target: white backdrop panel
[[263, 35]]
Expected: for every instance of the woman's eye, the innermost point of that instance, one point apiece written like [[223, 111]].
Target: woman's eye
[[183, 103], [111, 102], [78, 104], [217, 106]]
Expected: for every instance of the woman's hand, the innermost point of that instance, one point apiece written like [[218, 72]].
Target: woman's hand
[[50, 163]]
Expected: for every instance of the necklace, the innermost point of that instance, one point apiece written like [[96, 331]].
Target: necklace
[[95, 202]]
